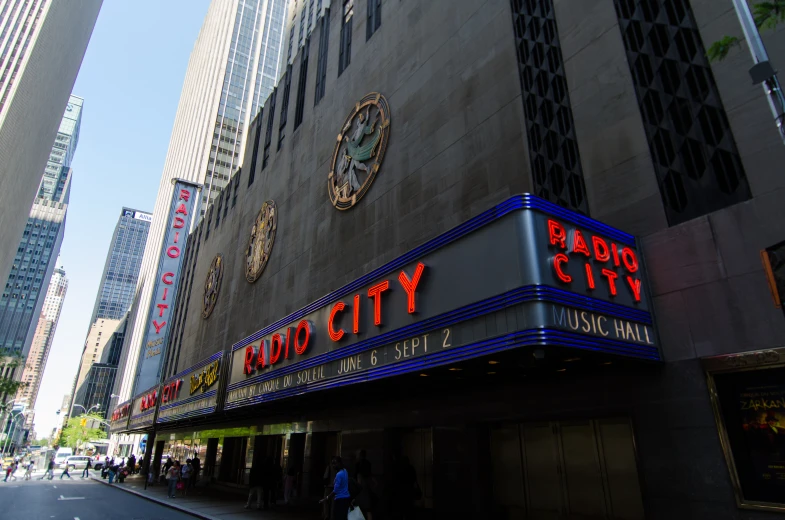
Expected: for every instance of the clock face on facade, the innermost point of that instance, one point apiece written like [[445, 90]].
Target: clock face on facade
[[212, 285], [359, 151], [260, 243]]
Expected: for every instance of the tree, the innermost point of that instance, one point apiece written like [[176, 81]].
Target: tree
[[767, 15], [8, 366], [79, 430]]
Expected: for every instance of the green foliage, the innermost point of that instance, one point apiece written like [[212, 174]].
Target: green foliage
[[767, 16], [719, 50], [78, 431], [8, 386]]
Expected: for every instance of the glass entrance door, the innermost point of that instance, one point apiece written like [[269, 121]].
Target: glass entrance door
[[576, 470]]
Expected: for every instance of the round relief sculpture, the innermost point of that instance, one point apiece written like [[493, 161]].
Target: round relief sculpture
[[359, 151], [260, 243], [212, 286]]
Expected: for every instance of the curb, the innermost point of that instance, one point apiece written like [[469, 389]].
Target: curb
[[165, 503]]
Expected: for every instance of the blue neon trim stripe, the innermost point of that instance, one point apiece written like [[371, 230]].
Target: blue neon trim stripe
[[146, 412], [190, 399], [535, 337], [484, 307], [203, 411], [204, 362], [514, 203]]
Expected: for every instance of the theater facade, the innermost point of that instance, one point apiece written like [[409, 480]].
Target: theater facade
[[469, 255]]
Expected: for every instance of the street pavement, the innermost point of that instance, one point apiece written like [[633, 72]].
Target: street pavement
[[76, 499]]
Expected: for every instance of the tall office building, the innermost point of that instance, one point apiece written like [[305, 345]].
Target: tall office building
[[115, 292], [232, 69], [123, 261], [42, 43], [96, 389], [32, 267], [42, 341]]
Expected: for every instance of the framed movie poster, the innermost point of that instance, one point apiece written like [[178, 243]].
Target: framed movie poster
[[748, 395]]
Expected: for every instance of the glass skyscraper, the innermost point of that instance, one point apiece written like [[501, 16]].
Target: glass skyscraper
[[123, 261], [22, 299]]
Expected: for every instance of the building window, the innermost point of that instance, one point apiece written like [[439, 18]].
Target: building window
[[268, 138], [695, 158], [345, 55], [209, 218], [374, 18], [553, 149], [298, 112], [291, 44], [321, 64], [218, 210], [284, 106], [240, 171]]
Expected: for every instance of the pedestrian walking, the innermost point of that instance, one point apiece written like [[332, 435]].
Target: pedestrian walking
[[185, 475], [86, 470], [197, 464], [271, 473], [172, 476], [65, 473], [255, 481], [50, 470], [132, 464], [340, 493], [29, 470], [289, 485], [9, 472]]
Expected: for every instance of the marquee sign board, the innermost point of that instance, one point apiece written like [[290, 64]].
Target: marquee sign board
[[567, 279], [143, 408], [192, 392], [118, 421]]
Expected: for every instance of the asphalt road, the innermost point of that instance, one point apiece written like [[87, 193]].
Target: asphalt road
[[76, 499]]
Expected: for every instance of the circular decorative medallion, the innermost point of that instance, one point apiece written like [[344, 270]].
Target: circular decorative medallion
[[212, 286], [260, 243], [359, 151]]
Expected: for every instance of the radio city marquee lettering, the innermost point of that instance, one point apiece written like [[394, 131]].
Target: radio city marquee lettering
[[205, 379], [571, 282], [120, 415], [143, 408], [201, 397], [167, 275]]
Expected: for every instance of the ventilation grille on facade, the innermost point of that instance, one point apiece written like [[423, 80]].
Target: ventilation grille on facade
[[553, 150], [694, 154]]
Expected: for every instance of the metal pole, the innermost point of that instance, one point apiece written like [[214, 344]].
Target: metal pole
[[771, 86]]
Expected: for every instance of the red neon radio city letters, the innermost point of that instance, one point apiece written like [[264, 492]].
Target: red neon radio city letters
[[295, 340], [148, 401], [173, 251], [606, 255], [121, 412], [171, 391]]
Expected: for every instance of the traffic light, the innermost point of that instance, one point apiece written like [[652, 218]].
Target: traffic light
[[774, 265]]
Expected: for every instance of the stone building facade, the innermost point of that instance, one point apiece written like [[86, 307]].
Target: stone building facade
[[608, 108]]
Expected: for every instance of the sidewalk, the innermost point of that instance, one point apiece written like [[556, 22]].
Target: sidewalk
[[206, 502]]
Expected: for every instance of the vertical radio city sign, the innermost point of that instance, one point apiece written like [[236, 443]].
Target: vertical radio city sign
[[158, 319]]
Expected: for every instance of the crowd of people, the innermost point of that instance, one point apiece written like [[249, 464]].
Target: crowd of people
[[180, 477]]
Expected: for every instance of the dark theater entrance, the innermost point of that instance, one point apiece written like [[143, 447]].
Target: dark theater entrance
[[582, 469]]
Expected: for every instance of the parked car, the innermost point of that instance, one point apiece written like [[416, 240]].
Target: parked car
[[98, 464], [75, 462]]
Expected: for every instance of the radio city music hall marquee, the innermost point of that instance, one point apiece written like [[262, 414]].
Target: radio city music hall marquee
[[542, 275], [198, 395]]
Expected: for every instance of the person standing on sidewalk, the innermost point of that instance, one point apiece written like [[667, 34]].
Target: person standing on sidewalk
[[340, 493], [86, 470], [185, 475], [255, 481], [172, 476]]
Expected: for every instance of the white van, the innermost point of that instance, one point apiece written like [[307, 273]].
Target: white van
[[62, 454]]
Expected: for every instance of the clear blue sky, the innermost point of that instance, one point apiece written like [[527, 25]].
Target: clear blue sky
[[131, 79]]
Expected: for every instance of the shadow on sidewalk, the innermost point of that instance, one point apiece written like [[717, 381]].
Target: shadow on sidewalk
[[209, 501]]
